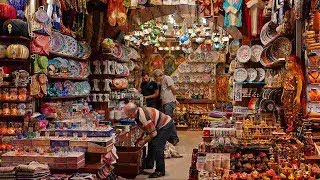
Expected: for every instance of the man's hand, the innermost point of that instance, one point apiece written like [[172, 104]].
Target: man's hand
[[140, 143]]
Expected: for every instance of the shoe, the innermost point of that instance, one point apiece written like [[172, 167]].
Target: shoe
[[175, 142], [156, 175]]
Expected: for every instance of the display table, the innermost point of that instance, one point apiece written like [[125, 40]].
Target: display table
[[70, 161]]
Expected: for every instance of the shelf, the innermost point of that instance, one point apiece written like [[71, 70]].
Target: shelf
[[66, 56], [11, 86], [14, 101], [255, 83], [67, 78], [66, 97], [277, 64], [14, 60], [11, 116], [14, 38], [195, 101], [108, 75], [265, 87]]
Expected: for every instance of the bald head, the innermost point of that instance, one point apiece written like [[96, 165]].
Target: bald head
[[130, 110]]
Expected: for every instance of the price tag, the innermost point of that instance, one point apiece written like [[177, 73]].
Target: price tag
[[237, 92]]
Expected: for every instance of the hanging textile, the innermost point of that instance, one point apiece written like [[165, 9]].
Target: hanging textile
[[254, 18], [233, 13]]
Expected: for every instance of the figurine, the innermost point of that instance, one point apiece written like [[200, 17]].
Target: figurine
[[292, 87]]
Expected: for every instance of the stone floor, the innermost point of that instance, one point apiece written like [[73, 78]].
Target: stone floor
[[178, 169]]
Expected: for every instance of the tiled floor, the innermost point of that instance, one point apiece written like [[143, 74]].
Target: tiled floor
[[178, 169]]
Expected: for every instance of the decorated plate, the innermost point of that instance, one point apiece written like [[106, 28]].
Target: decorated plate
[[182, 68], [206, 78], [78, 88], [188, 68], [86, 50], [131, 65], [41, 15], [268, 34], [252, 74], [202, 57], [65, 65], [192, 57], [234, 46], [74, 68], [58, 86], [117, 51], [56, 42], [212, 56], [175, 79], [85, 69], [240, 75], [256, 51], [80, 52], [69, 86], [85, 87], [244, 54], [119, 69], [261, 74], [53, 66], [281, 48]]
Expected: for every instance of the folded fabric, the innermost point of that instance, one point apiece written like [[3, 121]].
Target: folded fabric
[[7, 169], [217, 114]]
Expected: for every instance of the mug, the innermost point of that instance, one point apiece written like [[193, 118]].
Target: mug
[[94, 97]]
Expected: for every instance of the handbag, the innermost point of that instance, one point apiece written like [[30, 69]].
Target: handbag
[[40, 44], [7, 12], [40, 22], [19, 5], [15, 27]]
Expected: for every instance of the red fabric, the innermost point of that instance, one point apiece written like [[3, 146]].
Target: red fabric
[[40, 44], [7, 12], [248, 20]]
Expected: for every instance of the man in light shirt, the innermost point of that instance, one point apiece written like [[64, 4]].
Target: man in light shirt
[[168, 99], [157, 128]]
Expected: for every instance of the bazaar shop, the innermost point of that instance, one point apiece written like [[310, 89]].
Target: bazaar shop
[[243, 76]]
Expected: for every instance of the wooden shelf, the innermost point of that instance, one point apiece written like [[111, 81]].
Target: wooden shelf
[[66, 97], [277, 64], [195, 101], [108, 75], [14, 38], [53, 54], [254, 83], [14, 101], [14, 60], [67, 78]]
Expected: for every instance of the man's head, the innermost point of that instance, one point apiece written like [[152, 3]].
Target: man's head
[[158, 75], [145, 77], [130, 110]]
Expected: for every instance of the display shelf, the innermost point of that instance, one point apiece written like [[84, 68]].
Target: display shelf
[[14, 60], [54, 54], [66, 97], [196, 101], [108, 75], [11, 116], [11, 86], [255, 83], [266, 87], [14, 38], [277, 64], [15, 101], [67, 78]]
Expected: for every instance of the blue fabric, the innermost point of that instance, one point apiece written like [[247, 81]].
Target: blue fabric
[[237, 5]]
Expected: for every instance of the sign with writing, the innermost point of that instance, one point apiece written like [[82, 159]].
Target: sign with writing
[[237, 92], [240, 110]]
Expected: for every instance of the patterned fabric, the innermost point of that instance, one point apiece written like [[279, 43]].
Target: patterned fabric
[[233, 13], [153, 121]]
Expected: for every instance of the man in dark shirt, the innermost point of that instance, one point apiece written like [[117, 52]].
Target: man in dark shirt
[[150, 90]]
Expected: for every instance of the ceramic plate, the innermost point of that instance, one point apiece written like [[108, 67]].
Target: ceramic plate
[[281, 48], [56, 42], [240, 75], [131, 65], [234, 46], [75, 68], [85, 87], [212, 56], [86, 50], [261, 74], [119, 68], [69, 86], [117, 51], [252, 74], [81, 52], [192, 57], [256, 51], [244, 54]]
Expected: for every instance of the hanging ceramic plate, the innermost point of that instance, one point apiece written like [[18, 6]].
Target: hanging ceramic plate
[[268, 34], [244, 54], [252, 74], [240, 75], [261, 74], [188, 68], [234, 46], [56, 42], [202, 57], [281, 47], [175, 79], [256, 51], [206, 78]]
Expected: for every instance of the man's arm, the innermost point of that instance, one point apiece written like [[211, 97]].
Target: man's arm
[[154, 95]]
